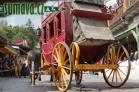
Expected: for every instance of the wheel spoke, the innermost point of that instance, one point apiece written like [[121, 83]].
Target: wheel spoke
[[108, 70], [110, 74], [65, 73], [56, 53], [113, 77], [119, 76], [64, 78], [121, 55], [122, 71], [116, 77], [55, 58], [66, 61], [54, 64], [64, 56], [65, 67]]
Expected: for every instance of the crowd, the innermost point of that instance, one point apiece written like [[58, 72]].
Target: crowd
[[112, 5], [16, 66]]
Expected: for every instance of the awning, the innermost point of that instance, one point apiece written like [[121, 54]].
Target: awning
[[20, 50], [8, 50]]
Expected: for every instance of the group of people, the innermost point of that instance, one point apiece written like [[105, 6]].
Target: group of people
[[133, 55], [112, 5], [17, 66]]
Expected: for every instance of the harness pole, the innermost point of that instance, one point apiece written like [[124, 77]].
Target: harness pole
[[33, 74]]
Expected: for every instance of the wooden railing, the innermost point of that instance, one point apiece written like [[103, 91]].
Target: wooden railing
[[117, 15], [120, 11], [131, 2]]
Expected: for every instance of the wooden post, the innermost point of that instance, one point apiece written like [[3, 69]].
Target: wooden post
[[33, 74], [125, 5]]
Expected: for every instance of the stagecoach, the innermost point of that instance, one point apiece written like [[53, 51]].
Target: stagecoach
[[74, 40]]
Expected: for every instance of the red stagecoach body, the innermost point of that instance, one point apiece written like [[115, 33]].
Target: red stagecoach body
[[58, 26]]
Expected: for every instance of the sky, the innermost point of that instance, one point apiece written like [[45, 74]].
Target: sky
[[22, 19]]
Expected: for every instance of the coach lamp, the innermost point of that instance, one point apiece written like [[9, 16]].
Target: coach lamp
[[38, 32]]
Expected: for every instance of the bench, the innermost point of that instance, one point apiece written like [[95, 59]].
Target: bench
[[5, 73]]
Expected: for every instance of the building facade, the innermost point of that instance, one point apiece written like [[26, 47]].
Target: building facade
[[125, 24]]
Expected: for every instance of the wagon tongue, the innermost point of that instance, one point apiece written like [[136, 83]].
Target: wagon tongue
[[90, 24]]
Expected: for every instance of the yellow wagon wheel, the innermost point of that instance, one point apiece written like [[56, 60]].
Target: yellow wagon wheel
[[115, 55], [75, 59], [62, 68]]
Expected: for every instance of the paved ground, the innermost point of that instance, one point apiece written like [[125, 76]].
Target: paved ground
[[89, 82]]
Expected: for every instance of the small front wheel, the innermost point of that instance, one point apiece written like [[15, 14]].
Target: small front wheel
[[78, 76]]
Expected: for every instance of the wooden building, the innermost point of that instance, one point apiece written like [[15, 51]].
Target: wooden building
[[5, 48], [125, 24]]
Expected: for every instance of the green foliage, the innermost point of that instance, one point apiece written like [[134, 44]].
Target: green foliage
[[24, 32]]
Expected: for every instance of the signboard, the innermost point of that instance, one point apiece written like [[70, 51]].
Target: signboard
[[53, 9]]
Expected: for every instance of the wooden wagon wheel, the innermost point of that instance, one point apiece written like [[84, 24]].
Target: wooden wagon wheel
[[62, 68], [75, 56], [117, 77]]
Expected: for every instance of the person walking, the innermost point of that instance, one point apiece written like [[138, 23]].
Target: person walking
[[18, 67], [25, 69]]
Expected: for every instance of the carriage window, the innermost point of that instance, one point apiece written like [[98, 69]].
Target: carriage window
[[51, 29], [59, 23], [44, 28]]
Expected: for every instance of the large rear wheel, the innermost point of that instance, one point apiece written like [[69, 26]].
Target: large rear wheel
[[62, 68], [118, 55]]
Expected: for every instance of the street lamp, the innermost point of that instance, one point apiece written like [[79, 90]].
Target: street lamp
[[10, 26], [38, 32]]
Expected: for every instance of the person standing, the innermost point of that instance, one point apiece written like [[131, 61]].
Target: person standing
[[1, 68], [18, 66], [25, 69], [136, 56], [132, 55]]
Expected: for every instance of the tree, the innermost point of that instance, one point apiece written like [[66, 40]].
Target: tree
[[32, 33], [23, 32]]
